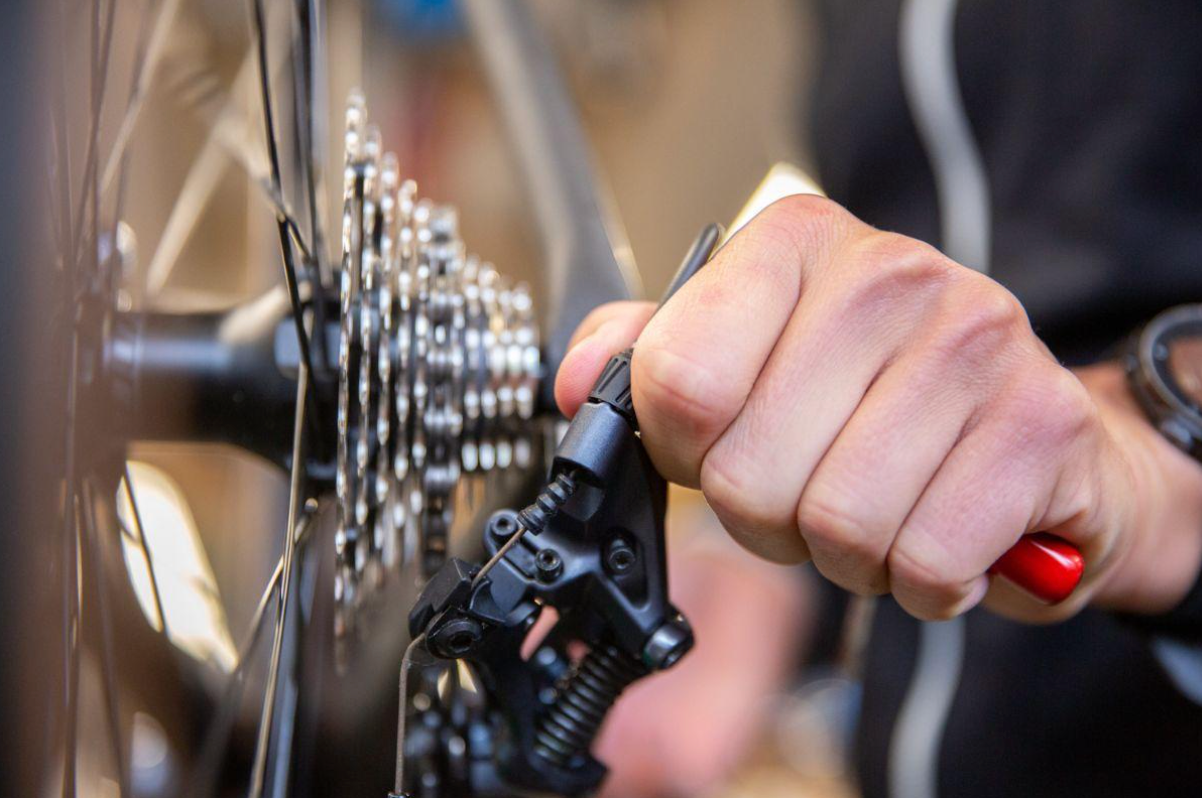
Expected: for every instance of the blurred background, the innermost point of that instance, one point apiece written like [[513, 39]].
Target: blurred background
[[686, 105]]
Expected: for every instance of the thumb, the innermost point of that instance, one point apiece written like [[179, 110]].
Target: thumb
[[606, 331]]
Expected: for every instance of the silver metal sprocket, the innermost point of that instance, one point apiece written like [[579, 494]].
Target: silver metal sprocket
[[438, 366]]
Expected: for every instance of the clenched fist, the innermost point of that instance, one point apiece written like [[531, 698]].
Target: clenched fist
[[853, 397]]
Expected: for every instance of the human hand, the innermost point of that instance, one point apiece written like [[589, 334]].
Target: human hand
[[854, 397]]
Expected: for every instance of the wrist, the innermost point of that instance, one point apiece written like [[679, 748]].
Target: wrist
[[1162, 552]]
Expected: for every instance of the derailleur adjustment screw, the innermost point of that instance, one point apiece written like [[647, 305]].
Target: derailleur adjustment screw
[[668, 644], [549, 565], [503, 524], [613, 386], [619, 556], [456, 638]]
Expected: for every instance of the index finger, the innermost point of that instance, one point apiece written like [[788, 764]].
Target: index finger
[[697, 360]]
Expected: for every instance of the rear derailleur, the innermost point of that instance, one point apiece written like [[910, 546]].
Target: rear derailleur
[[512, 715]]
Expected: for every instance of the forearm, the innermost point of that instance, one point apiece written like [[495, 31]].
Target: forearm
[[1164, 552]]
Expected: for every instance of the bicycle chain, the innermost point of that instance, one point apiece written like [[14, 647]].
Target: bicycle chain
[[444, 357]]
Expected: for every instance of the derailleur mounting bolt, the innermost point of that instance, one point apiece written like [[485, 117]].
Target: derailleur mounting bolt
[[619, 556], [456, 638], [549, 565], [503, 525], [668, 644]]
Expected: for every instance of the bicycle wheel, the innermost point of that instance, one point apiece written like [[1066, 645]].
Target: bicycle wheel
[[375, 380]]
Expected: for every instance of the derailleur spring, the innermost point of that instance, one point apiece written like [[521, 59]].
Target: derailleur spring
[[584, 698]]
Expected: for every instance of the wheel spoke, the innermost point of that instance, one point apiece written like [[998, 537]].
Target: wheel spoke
[[128, 484], [273, 150], [128, 533], [228, 137], [50, 187], [71, 643], [146, 69], [217, 735], [256, 624], [63, 150], [121, 163], [287, 694], [78, 234], [109, 672], [294, 508], [306, 21], [70, 532], [202, 179], [90, 185], [311, 22]]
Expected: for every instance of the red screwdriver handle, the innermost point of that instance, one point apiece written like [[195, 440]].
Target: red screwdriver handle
[[1047, 567]]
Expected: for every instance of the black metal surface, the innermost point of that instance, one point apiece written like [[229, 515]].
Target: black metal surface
[[591, 547], [546, 711], [699, 253], [223, 377]]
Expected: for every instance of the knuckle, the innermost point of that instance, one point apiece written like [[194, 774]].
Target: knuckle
[[799, 224], [673, 387], [987, 317], [848, 547], [799, 210], [830, 521], [892, 268], [994, 308], [741, 500], [905, 258], [1053, 408], [926, 575]]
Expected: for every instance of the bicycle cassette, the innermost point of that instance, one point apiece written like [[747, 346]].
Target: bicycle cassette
[[438, 369]]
